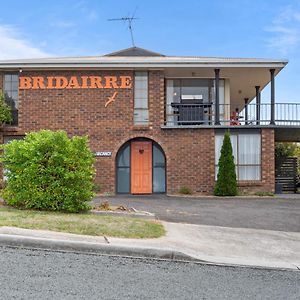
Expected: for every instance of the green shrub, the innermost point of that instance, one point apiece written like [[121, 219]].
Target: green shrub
[[5, 111], [49, 171], [226, 184], [97, 188], [185, 190], [283, 150]]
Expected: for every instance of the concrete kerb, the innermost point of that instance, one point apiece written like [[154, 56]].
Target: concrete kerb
[[92, 248], [23, 242]]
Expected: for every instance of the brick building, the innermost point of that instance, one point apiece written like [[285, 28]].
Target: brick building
[[155, 122]]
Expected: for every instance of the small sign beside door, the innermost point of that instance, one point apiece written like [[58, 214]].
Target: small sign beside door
[[103, 153]]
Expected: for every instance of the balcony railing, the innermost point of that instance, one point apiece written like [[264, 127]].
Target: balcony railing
[[178, 114]]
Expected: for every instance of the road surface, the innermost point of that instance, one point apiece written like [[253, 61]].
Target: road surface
[[37, 274]]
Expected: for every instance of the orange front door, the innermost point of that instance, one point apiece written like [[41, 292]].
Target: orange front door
[[141, 167]]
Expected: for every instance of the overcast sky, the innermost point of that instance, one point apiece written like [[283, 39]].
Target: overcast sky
[[233, 28]]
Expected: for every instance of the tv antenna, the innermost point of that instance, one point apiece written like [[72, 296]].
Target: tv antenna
[[129, 24]]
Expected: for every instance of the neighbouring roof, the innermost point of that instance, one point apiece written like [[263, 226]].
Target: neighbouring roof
[[136, 57]]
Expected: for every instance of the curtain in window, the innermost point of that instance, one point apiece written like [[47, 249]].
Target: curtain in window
[[141, 112], [247, 154]]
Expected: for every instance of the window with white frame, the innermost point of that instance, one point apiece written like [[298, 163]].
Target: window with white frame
[[193, 91], [246, 148], [11, 90], [141, 111]]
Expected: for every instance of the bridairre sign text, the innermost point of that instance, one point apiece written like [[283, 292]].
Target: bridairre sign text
[[75, 82]]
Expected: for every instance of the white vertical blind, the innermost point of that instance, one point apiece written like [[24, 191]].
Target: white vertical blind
[[169, 110], [249, 149], [247, 154], [141, 112]]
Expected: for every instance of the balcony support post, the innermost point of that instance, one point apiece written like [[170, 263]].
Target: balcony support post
[[272, 73], [257, 87], [246, 110], [217, 100]]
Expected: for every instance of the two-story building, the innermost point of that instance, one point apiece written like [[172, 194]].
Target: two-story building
[[155, 122]]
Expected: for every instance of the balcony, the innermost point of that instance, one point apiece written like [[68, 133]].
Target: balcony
[[202, 115]]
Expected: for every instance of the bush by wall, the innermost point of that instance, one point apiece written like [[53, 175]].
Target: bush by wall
[[185, 190], [49, 171], [283, 150], [226, 184]]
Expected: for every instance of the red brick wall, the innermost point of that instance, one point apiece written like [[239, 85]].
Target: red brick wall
[[189, 152], [75, 110], [268, 159]]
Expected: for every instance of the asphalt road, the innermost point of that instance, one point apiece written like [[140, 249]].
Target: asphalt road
[[36, 274], [258, 213]]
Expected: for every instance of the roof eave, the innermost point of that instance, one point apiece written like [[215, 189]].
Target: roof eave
[[128, 65]]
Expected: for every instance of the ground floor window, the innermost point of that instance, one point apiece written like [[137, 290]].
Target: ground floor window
[[141, 168], [247, 153]]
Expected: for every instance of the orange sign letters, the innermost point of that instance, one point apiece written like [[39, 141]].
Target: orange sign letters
[[75, 82]]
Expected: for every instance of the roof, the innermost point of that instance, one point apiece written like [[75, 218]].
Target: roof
[[134, 51], [138, 58]]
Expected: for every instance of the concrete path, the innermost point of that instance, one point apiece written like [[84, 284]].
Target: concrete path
[[212, 244], [271, 213]]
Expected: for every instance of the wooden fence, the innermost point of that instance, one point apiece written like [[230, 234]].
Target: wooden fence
[[286, 174]]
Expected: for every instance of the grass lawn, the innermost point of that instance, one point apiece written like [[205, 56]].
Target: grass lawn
[[85, 223]]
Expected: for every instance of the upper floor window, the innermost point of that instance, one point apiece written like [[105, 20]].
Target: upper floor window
[[141, 111], [11, 89], [190, 100]]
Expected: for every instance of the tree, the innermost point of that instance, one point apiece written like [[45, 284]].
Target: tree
[[283, 150], [226, 184], [49, 171], [5, 111]]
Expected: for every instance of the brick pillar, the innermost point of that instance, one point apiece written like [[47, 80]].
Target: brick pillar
[[156, 99], [268, 160]]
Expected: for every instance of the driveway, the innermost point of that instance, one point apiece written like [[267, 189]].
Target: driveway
[[281, 214]]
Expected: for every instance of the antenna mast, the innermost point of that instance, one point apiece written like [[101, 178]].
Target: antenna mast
[[129, 23]]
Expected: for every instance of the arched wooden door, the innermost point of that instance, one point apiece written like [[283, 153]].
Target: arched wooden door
[[141, 167]]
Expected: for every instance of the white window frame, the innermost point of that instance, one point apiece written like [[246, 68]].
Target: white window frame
[[236, 145], [141, 101]]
